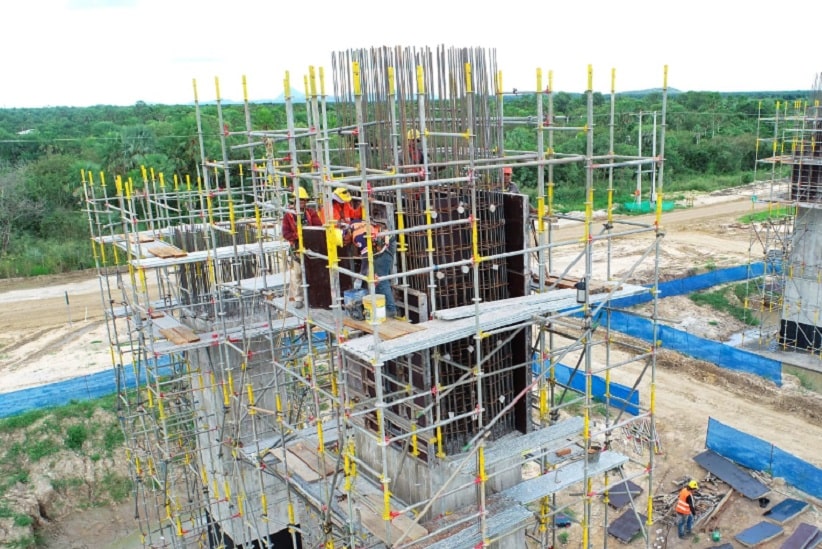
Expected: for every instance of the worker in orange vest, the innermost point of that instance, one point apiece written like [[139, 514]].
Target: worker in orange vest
[[685, 509], [345, 208]]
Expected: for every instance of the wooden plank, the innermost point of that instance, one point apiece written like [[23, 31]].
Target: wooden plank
[[562, 283], [311, 457], [165, 250], [187, 334], [295, 465], [371, 515], [179, 335], [141, 238], [390, 329]]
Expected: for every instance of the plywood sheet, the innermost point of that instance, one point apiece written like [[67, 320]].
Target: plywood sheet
[[758, 534], [726, 470], [785, 510], [627, 526], [801, 538]]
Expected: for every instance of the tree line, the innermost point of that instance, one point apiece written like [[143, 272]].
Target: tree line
[[43, 228]]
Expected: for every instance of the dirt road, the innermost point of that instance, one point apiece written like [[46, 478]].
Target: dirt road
[[52, 327]]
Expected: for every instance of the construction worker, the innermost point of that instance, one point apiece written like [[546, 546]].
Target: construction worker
[[342, 209], [685, 509], [509, 186], [385, 248], [415, 153], [309, 218]]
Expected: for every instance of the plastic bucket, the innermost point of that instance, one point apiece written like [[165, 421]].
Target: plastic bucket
[[593, 453], [374, 307]]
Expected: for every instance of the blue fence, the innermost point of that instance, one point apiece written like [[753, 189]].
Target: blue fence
[[101, 384], [755, 453], [720, 354], [79, 388], [620, 395], [690, 284]]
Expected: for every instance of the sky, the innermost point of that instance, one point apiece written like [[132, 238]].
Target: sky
[[119, 52]]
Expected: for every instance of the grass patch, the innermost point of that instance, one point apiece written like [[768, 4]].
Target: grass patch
[[727, 300], [23, 520], [113, 438], [774, 212], [62, 485], [76, 436], [116, 486], [15, 423], [38, 449]]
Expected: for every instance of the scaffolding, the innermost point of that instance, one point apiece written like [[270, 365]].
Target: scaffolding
[[786, 293], [258, 423]]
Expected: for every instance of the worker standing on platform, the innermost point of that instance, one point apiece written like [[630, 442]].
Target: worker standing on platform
[[685, 509], [385, 248], [509, 186], [308, 217]]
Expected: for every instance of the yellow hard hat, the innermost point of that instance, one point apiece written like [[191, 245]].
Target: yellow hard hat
[[302, 193], [413, 134], [342, 195], [693, 485]]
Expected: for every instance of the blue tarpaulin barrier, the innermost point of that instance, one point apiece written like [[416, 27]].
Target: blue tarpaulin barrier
[[102, 383], [755, 453], [621, 395], [690, 284], [720, 354], [79, 388]]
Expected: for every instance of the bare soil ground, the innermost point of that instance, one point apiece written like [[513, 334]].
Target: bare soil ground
[[52, 328]]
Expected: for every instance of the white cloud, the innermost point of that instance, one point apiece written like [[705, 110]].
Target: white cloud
[[83, 52]]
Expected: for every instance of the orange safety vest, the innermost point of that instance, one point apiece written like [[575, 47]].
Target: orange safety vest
[[682, 506], [359, 237]]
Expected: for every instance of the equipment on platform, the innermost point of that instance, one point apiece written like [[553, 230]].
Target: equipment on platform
[[353, 303]]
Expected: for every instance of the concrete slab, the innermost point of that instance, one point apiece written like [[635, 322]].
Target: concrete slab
[[727, 471]]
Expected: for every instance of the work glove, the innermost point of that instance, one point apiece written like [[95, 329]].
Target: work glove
[[357, 283]]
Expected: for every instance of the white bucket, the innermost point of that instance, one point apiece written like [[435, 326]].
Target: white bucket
[[378, 306]]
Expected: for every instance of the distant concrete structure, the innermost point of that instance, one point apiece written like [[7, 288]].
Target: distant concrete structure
[[791, 236]]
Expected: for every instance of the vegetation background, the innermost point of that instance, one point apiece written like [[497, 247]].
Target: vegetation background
[[711, 142]]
